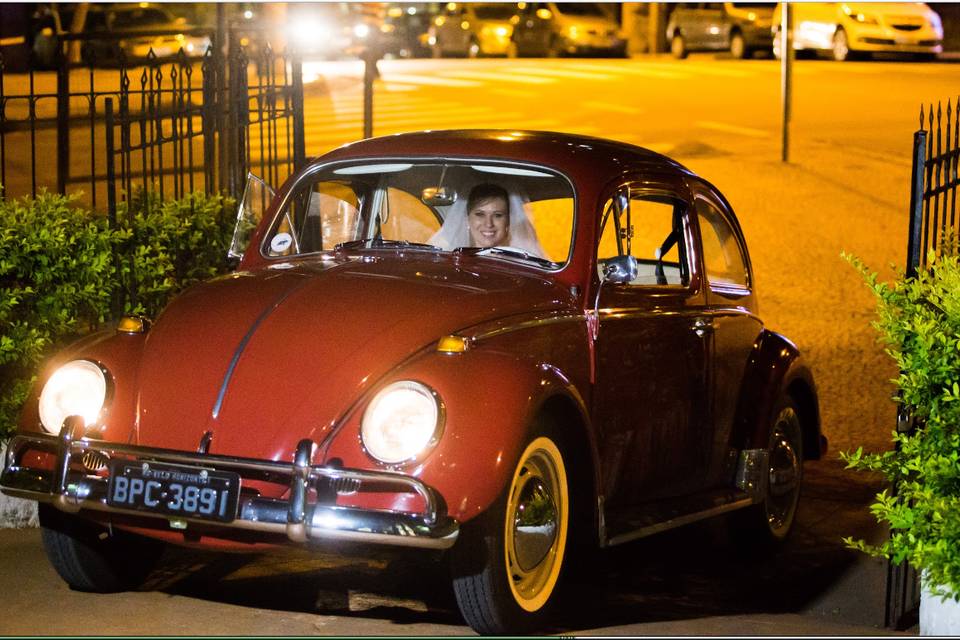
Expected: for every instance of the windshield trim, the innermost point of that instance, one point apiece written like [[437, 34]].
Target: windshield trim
[[466, 160]]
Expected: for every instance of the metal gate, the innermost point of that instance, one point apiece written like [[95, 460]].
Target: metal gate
[[934, 226], [167, 125]]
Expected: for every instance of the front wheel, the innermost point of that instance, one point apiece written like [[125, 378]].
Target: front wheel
[[507, 562], [91, 558], [841, 46]]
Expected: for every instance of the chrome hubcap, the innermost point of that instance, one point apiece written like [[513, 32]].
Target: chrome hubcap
[[534, 524], [785, 471]]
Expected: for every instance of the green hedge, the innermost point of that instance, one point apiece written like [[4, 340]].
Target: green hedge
[[64, 272], [919, 321]]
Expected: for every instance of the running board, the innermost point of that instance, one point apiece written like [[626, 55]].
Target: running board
[[652, 520]]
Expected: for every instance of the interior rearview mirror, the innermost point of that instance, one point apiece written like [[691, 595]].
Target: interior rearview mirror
[[438, 196]]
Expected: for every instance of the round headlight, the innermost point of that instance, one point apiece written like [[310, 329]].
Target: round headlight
[[401, 423], [78, 388]]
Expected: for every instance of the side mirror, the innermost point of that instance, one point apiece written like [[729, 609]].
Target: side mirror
[[621, 269], [257, 196]]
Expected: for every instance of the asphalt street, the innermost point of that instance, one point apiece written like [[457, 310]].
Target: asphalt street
[[693, 581]]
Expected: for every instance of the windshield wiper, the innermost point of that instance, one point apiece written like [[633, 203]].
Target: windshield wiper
[[511, 252], [370, 243]]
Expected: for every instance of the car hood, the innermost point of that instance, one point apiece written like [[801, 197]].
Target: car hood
[[263, 359], [890, 9]]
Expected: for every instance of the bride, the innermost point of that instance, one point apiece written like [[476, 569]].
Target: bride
[[489, 217]]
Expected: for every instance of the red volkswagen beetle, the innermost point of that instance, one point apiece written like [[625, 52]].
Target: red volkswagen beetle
[[502, 344]]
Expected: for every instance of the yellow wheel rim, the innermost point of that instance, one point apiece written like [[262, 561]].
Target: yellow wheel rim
[[535, 525]]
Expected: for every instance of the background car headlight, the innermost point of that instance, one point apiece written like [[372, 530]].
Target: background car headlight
[[77, 388], [402, 422]]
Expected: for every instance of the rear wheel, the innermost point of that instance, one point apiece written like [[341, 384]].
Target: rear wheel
[[507, 562], [771, 520], [678, 47], [91, 558]]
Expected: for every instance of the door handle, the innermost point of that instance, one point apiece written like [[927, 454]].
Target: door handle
[[702, 326]]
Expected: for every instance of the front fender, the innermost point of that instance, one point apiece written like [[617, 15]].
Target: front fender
[[119, 353], [491, 401], [776, 367]]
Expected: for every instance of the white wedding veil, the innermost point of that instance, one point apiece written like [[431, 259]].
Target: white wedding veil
[[455, 233]]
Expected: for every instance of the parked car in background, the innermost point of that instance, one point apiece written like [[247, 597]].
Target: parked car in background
[[846, 31], [472, 29], [506, 346], [134, 30], [404, 29], [566, 28], [742, 28]]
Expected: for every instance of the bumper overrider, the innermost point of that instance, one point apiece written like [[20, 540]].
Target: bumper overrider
[[71, 488]]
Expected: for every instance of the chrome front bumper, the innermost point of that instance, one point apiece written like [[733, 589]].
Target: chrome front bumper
[[299, 519]]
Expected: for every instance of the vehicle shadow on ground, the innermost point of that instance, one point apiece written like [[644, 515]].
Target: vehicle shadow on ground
[[693, 572]]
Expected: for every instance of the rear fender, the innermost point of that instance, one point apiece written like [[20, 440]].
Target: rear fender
[[775, 368]]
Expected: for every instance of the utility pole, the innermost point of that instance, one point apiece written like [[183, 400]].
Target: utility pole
[[786, 74]]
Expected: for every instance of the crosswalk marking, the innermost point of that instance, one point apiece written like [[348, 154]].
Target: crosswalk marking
[[379, 111], [631, 70], [563, 73], [609, 106], [493, 76], [513, 93], [730, 128], [409, 78]]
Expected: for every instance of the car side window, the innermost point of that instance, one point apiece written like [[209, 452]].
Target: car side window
[[722, 254], [405, 217], [318, 217], [650, 228]]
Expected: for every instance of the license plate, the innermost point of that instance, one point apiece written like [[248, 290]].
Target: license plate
[[174, 490]]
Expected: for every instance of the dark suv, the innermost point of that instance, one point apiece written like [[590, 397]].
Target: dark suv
[[738, 27]]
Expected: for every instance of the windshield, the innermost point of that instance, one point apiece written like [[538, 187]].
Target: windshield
[[521, 213]]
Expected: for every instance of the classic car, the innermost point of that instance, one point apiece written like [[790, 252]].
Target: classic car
[[509, 347]]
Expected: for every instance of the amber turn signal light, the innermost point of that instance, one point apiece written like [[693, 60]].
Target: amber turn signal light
[[132, 324], [453, 344]]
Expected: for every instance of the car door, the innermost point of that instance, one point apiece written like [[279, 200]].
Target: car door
[[651, 388], [732, 316]]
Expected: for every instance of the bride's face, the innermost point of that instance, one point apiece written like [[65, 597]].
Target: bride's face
[[489, 222]]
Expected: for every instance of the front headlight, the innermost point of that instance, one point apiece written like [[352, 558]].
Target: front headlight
[[402, 422], [78, 388]]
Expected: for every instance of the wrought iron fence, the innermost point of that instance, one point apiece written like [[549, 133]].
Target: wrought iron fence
[[934, 226], [170, 125]]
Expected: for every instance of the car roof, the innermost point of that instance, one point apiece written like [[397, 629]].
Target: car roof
[[581, 158]]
